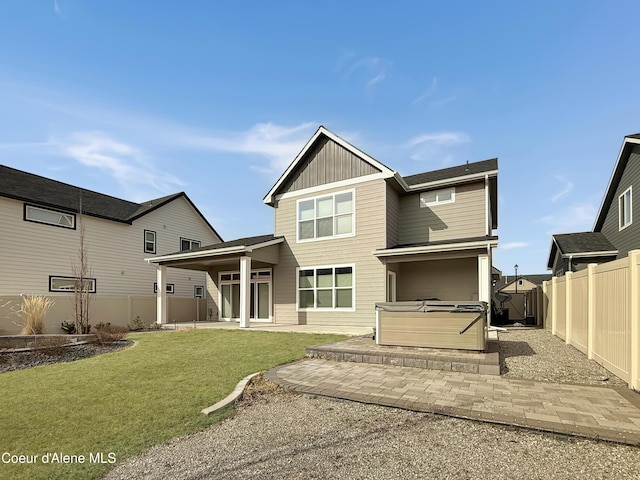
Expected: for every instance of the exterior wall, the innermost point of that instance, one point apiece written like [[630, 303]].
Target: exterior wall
[[327, 162], [369, 272], [453, 279], [30, 252], [464, 218], [629, 238], [393, 217], [117, 310]]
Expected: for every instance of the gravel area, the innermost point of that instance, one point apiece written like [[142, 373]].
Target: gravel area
[[535, 354], [34, 358], [274, 434]]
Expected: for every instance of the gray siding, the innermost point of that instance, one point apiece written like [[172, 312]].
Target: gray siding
[[454, 279], [393, 217], [629, 238], [465, 218], [326, 163]]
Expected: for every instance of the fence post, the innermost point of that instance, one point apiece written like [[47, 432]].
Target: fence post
[[591, 309], [568, 321], [554, 305], [545, 298], [634, 271]]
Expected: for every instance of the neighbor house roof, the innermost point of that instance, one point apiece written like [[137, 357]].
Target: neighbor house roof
[[629, 142], [459, 171], [583, 244], [31, 188]]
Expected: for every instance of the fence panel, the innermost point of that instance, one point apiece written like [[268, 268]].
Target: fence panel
[[560, 310], [579, 334], [612, 319]]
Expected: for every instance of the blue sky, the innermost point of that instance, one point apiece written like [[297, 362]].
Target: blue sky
[[142, 99]]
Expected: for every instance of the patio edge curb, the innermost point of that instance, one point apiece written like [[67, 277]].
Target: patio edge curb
[[232, 397]]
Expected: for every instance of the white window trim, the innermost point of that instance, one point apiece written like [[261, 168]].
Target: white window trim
[[192, 243], [251, 280], [169, 287], [334, 236], [155, 241], [438, 202], [28, 207], [195, 291], [327, 310], [70, 290], [621, 210]]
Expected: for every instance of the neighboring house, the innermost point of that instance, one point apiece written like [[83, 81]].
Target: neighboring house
[[350, 232], [614, 233], [521, 297], [41, 236]]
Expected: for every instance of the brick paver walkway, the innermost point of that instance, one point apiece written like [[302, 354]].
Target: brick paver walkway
[[586, 411]]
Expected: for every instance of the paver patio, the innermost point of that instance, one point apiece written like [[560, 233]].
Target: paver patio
[[587, 411]]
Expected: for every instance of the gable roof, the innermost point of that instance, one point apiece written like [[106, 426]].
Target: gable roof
[[31, 188], [583, 244], [629, 142], [462, 172], [323, 132]]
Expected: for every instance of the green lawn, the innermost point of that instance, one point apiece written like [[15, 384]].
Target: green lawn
[[124, 402]]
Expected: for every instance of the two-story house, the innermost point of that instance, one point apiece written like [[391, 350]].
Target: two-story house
[[40, 226], [350, 232], [614, 233]]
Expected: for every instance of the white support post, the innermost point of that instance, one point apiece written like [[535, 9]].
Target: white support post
[[245, 290], [161, 295], [591, 309], [484, 282]]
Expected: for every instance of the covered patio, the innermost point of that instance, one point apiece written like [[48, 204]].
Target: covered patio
[[239, 287]]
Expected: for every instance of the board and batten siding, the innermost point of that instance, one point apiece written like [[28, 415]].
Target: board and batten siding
[[369, 271], [328, 162], [464, 218], [628, 238], [30, 252]]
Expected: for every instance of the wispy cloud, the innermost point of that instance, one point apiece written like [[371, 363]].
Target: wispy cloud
[[56, 7], [372, 71], [575, 218], [568, 188], [439, 138], [436, 147], [512, 245], [429, 92], [127, 164]]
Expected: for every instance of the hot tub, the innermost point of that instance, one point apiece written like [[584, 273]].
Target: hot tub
[[434, 324]]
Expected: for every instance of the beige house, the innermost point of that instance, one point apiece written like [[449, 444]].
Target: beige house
[[350, 232], [40, 242]]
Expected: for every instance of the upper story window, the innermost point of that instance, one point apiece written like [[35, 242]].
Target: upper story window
[[326, 216], [149, 241], [437, 197], [625, 209], [187, 244], [49, 217]]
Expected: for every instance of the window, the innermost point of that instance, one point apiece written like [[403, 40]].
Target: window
[[169, 287], [625, 208], [328, 216], [326, 288], [49, 217], [437, 197], [70, 284], [187, 244], [198, 291], [149, 241]]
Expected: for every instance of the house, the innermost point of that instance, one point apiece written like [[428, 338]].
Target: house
[[350, 232], [614, 233], [41, 226]]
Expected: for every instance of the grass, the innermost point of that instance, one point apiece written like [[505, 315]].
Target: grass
[[124, 402]]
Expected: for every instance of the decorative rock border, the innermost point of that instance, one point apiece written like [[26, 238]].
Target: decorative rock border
[[232, 397]]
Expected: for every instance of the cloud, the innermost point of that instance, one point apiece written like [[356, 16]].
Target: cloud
[[129, 165], [439, 138], [436, 147], [429, 92], [568, 188], [575, 218], [370, 70], [56, 7], [512, 245]]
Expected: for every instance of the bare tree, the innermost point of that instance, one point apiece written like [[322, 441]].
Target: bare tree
[[82, 299]]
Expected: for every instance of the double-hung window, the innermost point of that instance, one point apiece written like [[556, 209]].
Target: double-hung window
[[326, 216], [149, 241], [326, 288], [625, 209]]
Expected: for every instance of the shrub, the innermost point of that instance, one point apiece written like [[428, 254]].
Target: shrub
[[100, 325], [137, 324], [53, 346], [33, 310], [68, 327], [111, 334]]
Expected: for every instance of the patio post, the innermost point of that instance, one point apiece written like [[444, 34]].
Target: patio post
[[161, 295], [484, 282], [245, 290]]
